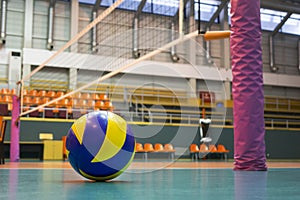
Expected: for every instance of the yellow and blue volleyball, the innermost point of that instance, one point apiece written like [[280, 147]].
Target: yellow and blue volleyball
[[100, 145]]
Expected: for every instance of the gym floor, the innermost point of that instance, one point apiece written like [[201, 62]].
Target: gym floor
[[151, 180]]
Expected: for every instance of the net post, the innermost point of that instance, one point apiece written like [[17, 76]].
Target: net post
[[15, 131]]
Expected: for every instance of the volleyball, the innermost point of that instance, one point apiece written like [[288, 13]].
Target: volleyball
[[100, 145]]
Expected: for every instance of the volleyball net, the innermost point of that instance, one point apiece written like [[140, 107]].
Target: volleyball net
[[132, 63], [95, 69]]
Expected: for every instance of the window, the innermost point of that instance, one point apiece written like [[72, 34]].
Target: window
[[207, 9], [87, 1], [126, 4], [292, 25], [270, 18], [161, 7]]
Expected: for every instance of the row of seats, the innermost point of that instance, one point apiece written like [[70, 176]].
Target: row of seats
[[80, 101], [6, 98], [203, 150], [51, 94], [6, 91], [157, 148]]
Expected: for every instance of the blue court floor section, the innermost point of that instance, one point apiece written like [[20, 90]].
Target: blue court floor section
[[206, 184]]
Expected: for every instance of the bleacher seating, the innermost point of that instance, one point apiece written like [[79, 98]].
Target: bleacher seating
[[159, 105], [62, 109]]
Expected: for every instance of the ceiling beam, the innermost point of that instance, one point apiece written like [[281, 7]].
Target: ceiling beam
[[216, 14], [281, 5], [140, 8], [97, 5]]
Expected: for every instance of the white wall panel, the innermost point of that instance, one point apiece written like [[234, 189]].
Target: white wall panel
[[40, 24], [48, 76], [85, 13], [3, 71], [61, 34], [15, 24]]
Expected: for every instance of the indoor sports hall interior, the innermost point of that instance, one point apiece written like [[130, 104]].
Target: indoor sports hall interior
[[149, 99]]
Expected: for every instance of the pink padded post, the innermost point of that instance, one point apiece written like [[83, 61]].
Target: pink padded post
[[247, 86], [15, 131]]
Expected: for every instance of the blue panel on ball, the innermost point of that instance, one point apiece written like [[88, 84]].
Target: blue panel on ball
[[74, 147], [73, 159], [120, 160], [102, 117], [72, 143], [94, 133], [110, 166]]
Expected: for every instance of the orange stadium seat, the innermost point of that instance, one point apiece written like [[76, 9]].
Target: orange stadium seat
[[85, 95], [108, 106], [139, 147], [33, 93], [24, 92], [51, 94], [99, 105], [212, 148], [222, 150], [158, 147], [95, 96], [103, 97], [194, 151], [59, 94], [203, 148], [42, 93], [90, 104], [26, 102], [4, 91], [169, 148], [7, 99], [13, 91], [148, 147]]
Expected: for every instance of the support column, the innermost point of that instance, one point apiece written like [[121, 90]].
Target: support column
[[26, 71], [15, 131], [74, 48], [227, 89], [74, 23], [191, 27], [247, 86], [192, 88], [72, 78], [28, 24]]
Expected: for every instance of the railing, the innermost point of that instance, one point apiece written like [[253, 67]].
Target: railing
[[279, 112], [144, 110], [282, 104], [167, 118]]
